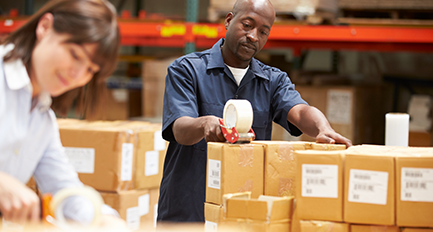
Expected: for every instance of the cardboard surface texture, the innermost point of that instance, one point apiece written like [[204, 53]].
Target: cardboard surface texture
[[369, 187], [321, 226], [373, 228], [233, 168], [280, 166], [266, 213], [136, 207], [319, 185]]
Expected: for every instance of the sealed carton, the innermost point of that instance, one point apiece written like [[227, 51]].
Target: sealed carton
[[369, 188], [136, 207], [319, 185], [414, 187], [280, 166], [233, 168], [320, 226], [373, 228], [105, 154], [267, 214]]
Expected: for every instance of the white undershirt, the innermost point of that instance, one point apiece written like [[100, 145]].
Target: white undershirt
[[238, 73]]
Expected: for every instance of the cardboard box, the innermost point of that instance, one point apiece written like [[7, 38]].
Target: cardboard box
[[280, 166], [357, 113], [112, 105], [154, 73], [369, 188], [233, 168], [319, 185], [266, 213], [414, 187], [373, 228], [213, 216], [105, 154], [320, 226], [137, 207]]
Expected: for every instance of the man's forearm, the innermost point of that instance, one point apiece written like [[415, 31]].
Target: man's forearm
[[309, 120]]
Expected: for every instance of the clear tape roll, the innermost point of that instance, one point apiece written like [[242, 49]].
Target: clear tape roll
[[238, 114], [87, 192]]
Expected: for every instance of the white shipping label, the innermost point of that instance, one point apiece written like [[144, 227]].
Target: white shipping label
[[133, 218], [368, 186], [214, 174], [159, 143], [155, 214], [143, 204], [320, 180], [417, 184], [210, 226], [339, 108], [126, 168], [83, 159], [151, 167]]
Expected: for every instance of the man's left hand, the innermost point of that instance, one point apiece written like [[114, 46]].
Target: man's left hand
[[332, 137]]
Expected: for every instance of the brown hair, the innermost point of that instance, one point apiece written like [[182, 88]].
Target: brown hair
[[86, 21]]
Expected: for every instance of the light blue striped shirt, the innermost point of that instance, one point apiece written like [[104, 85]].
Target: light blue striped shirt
[[30, 142]]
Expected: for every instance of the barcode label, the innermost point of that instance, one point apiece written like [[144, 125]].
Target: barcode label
[[314, 171], [320, 180], [364, 187], [417, 184], [368, 186], [214, 174], [316, 181]]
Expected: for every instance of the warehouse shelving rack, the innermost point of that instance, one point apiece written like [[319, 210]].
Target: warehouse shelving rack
[[167, 33]]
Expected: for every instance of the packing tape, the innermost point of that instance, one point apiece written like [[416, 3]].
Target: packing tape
[[57, 202], [238, 114]]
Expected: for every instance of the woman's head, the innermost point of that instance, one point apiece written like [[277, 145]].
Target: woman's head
[[68, 41]]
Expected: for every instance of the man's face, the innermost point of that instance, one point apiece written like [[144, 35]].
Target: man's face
[[248, 31]]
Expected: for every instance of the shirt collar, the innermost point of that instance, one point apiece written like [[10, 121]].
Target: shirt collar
[[216, 61], [15, 71], [18, 78]]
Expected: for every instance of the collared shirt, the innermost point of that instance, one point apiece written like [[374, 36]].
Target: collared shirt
[[200, 84], [30, 141]]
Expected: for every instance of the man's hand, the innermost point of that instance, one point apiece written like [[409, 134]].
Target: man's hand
[[18, 203], [189, 131], [332, 137], [112, 223]]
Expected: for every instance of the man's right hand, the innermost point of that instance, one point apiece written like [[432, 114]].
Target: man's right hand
[[189, 131], [18, 203]]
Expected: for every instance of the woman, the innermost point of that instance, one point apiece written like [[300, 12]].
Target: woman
[[65, 45]]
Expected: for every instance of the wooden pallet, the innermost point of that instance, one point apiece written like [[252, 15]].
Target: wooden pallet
[[409, 17]]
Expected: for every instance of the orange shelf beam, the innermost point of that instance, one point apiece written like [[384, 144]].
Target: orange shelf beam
[[177, 34]]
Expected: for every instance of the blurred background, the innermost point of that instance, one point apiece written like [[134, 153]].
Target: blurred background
[[355, 60]]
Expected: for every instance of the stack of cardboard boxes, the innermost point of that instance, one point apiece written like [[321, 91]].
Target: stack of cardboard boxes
[[123, 160], [261, 167], [365, 188]]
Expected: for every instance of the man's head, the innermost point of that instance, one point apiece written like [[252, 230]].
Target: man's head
[[248, 27]]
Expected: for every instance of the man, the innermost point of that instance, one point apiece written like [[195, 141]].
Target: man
[[197, 88]]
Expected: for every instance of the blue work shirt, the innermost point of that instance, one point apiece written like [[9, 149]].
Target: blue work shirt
[[200, 84]]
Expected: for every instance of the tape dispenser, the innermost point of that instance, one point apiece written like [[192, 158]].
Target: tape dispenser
[[237, 121]]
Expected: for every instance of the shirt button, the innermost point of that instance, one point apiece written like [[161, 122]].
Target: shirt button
[[16, 151], [236, 96]]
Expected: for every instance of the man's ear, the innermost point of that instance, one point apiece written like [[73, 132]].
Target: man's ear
[[45, 24], [228, 19]]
